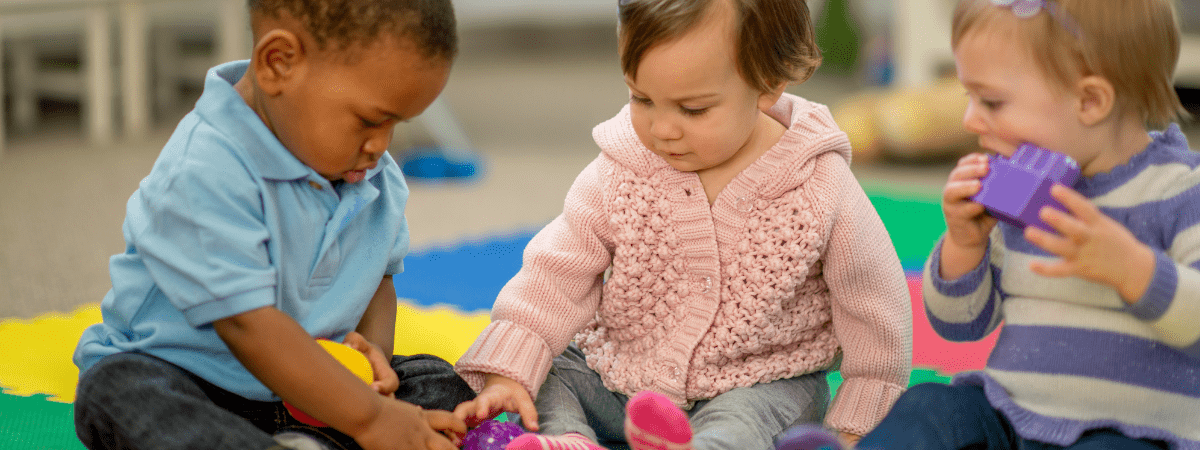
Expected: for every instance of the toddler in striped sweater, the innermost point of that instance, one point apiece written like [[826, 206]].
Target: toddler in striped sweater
[[1100, 346]]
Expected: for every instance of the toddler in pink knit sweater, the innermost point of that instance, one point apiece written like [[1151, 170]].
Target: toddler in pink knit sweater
[[743, 260]]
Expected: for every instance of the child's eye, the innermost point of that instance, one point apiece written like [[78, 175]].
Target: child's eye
[[693, 111], [991, 104], [642, 100], [369, 124]]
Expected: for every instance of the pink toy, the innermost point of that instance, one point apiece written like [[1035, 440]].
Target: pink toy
[[1015, 189], [491, 435]]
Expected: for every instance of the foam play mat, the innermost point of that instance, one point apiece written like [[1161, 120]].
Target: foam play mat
[[444, 299]]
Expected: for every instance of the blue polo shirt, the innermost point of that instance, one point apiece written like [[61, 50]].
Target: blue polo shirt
[[228, 221]]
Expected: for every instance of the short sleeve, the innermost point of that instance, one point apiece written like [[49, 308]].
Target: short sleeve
[[199, 226]]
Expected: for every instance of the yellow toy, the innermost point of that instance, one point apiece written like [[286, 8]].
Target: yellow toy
[[349, 357], [906, 123]]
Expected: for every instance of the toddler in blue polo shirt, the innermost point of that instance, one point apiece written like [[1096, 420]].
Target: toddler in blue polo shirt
[[273, 216]]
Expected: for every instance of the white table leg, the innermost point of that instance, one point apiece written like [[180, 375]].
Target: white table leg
[[3, 137], [98, 111], [134, 69], [24, 83]]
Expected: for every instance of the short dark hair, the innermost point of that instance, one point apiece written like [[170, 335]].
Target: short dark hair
[[775, 42], [340, 24]]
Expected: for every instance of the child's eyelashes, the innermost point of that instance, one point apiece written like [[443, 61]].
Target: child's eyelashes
[[370, 124], [682, 109]]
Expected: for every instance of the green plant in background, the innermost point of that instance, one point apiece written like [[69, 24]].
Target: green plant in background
[[839, 38]]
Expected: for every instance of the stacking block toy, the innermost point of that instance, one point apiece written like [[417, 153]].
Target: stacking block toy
[[807, 437], [491, 435], [1015, 189], [349, 357]]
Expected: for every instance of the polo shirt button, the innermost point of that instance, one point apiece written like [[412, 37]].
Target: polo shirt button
[[314, 184]]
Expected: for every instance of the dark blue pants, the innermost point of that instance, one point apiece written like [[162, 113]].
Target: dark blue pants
[[933, 416], [137, 401]]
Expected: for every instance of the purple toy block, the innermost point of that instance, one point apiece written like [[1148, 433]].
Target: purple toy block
[[491, 435], [807, 437], [1015, 189]]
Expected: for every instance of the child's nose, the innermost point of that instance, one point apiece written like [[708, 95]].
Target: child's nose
[[378, 143], [972, 120], [665, 129]]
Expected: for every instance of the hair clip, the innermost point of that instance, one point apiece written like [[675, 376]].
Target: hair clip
[[1028, 8], [1022, 8]]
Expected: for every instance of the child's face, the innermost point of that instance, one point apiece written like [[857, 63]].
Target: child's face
[[338, 119], [1011, 100], [689, 105]]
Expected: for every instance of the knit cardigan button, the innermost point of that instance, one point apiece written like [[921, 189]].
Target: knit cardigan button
[[743, 204], [705, 285]]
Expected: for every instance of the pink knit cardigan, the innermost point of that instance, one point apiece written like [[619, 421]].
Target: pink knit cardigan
[[788, 267]]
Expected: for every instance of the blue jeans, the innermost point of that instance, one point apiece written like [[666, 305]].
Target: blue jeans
[[934, 416], [137, 401], [574, 400]]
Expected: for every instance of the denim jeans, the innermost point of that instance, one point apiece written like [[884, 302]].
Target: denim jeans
[[574, 399], [137, 401], [936, 416]]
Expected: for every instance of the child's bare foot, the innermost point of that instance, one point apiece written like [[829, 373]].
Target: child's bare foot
[[652, 422]]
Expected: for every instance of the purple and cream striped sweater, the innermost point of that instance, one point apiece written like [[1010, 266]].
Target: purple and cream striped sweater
[[1071, 355]]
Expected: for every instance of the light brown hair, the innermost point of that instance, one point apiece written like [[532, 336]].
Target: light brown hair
[[1134, 44], [775, 42]]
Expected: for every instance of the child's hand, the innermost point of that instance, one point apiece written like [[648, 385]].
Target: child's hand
[[1092, 246], [402, 425], [849, 440], [967, 225], [386, 381], [499, 394]]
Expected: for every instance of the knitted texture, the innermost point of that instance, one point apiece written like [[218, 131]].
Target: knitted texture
[[1071, 355], [787, 268]]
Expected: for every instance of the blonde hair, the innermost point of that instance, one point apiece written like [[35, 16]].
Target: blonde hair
[[775, 40], [1134, 44]]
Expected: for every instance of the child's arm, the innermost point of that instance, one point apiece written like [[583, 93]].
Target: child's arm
[[872, 316], [276, 350], [1162, 288], [553, 296], [958, 289]]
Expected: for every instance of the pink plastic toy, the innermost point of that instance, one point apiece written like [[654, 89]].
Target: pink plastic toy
[[1015, 189], [491, 435]]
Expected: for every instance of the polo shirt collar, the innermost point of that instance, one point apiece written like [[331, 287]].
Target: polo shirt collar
[[222, 106]]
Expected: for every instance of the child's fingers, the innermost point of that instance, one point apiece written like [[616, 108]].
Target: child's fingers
[[528, 414], [445, 421], [960, 190], [1076, 203], [1060, 246], [1057, 269]]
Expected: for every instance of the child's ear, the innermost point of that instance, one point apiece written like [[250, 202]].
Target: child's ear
[[768, 99], [1097, 99], [277, 59]]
